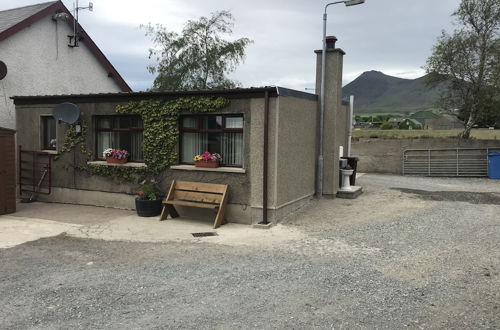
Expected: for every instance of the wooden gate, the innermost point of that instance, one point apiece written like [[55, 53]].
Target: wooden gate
[[7, 171]]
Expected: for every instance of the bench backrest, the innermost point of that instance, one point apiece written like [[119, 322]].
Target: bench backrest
[[198, 192]]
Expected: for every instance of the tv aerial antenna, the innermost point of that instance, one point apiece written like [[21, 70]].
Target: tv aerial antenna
[[76, 37]]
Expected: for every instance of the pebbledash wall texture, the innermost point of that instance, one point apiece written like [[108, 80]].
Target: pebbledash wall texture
[[39, 62], [292, 147]]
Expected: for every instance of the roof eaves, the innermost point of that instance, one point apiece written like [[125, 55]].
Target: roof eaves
[[5, 129], [282, 91], [235, 92]]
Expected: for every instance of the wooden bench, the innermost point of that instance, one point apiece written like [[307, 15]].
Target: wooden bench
[[196, 194]]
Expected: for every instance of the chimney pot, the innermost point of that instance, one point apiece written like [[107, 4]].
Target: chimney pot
[[330, 42]]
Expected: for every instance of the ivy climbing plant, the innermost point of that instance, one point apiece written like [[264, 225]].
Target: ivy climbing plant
[[73, 139], [161, 135]]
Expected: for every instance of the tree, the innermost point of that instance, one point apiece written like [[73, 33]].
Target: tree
[[198, 58], [468, 60]]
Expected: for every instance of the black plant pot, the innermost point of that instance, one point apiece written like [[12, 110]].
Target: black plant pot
[[146, 208]]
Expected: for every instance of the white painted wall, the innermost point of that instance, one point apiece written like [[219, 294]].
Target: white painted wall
[[39, 62]]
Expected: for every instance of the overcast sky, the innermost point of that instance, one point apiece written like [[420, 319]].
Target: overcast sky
[[392, 36]]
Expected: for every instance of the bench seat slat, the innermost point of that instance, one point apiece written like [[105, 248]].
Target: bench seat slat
[[193, 204], [201, 187], [197, 196]]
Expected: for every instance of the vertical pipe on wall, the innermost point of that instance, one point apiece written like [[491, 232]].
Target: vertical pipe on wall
[[320, 161], [349, 125], [19, 160], [265, 159]]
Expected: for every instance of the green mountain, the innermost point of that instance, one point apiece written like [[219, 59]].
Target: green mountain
[[375, 92]]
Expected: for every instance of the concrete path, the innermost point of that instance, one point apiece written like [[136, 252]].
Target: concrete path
[[18, 230], [38, 220]]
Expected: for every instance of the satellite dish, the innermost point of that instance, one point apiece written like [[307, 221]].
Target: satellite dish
[[66, 112], [3, 70]]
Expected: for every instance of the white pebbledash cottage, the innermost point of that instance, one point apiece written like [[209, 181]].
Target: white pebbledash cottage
[[38, 58]]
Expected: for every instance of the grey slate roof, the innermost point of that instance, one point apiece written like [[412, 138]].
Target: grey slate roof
[[11, 17]]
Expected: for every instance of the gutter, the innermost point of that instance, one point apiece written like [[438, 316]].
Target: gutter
[[133, 96]]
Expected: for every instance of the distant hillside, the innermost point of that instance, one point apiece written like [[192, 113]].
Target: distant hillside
[[377, 92]]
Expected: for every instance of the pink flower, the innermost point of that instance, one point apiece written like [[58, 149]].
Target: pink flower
[[208, 157]]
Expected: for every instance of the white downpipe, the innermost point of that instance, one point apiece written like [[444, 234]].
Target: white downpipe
[[349, 137]]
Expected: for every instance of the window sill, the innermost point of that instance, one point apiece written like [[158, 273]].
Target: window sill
[[203, 169], [104, 163], [52, 152]]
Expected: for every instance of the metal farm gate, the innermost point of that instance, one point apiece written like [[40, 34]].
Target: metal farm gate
[[35, 173], [447, 162]]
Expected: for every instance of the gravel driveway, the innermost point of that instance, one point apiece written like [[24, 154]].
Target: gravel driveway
[[410, 252]]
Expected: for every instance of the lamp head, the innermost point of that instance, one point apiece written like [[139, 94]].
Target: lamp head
[[353, 2]]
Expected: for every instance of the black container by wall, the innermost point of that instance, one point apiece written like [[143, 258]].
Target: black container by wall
[[147, 208]]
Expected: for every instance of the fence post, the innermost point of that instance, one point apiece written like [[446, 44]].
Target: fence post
[[429, 162], [487, 162], [403, 165]]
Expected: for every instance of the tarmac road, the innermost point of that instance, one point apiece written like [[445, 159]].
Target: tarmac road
[[412, 253]]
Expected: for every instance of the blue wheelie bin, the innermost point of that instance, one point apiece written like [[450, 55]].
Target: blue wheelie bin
[[494, 165]]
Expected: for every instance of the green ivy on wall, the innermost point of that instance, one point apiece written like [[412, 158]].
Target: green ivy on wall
[[161, 135], [73, 139]]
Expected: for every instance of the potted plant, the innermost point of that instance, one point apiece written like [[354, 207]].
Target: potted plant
[[115, 156], [207, 159], [148, 202]]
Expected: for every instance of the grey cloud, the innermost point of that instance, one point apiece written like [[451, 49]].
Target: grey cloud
[[384, 35]]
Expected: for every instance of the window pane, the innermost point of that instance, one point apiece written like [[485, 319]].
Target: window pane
[[190, 122], [214, 142], [212, 122], [234, 122], [232, 149], [192, 144], [122, 122], [103, 142], [136, 150], [103, 123], [136, 122], [49, 133]]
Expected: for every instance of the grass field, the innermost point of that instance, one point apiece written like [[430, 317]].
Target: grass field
[[480, 134]]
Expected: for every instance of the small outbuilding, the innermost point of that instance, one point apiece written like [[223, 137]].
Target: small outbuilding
[[7, 171], [268, 139]]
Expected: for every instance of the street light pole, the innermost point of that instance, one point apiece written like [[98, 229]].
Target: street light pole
[[320, 165]]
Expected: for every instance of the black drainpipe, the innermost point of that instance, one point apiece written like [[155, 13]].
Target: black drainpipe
[[265, 160]]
